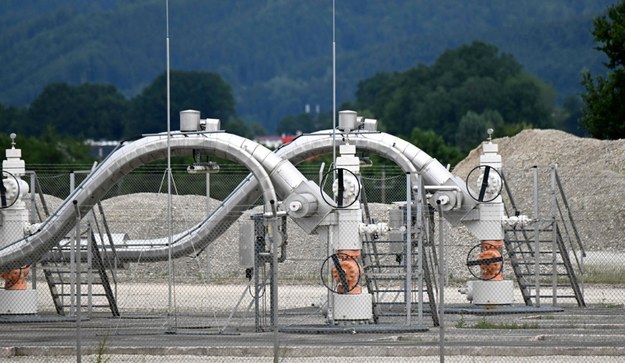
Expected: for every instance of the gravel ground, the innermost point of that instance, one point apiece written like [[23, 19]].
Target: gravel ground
[[430, 359]]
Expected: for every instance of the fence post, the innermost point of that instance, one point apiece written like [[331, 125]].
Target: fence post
[[273, 235], [33, 220], [441, 285], [408, 277], [72, 252], [536, 237], [421, 230], [554, 235], [78, 283]]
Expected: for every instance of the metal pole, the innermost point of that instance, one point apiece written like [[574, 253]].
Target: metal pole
[[421, 228], [33, 199], [208, 193], [330, 234], [33, 213], [554, 246], [536, 238], [78, 283], [90, 243], [209, 249], [334, 84], [72, 257], [170, 265], [258, 229], [383, 185], [330, 249], [441, 286], [408, 281], [273, 233]]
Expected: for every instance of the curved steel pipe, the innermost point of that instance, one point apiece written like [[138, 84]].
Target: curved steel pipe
[[93, 188], [270, 169], [407, 156]]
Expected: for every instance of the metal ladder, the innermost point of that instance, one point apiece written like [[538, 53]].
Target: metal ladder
[[57, 269], [96, 287], [552, 273], [384, 264], [60, 279]]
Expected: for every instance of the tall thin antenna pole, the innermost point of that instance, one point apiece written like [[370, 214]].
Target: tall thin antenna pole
[[334, 83], [330, 243], [169, 201]]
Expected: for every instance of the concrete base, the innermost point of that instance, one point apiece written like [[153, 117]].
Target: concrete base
[[18, 301], [492, 292], [356, 307]]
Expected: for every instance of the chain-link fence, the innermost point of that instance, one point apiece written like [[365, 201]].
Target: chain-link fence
[[167, 272]]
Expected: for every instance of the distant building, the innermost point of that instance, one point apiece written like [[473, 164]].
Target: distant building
[[274, 141], [101, 148]]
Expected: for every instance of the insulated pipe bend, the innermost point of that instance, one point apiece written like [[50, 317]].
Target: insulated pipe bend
[[409, 157], [126, 159], [282, 172], [387, 145], [321, 142], [284, 176]]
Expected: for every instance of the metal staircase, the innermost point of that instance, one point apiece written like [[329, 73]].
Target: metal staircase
[[386, 267], [62, 275], [97, 261], [62, 278], [545, 254]]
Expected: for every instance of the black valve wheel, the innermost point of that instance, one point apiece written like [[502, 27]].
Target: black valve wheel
[[334, 261], [489, 182], [3, 190], [340, 175], [475, 263]]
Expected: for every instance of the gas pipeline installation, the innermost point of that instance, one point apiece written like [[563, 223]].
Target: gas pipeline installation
[[378, 273]]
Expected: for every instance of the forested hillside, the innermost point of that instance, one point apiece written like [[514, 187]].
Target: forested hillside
[[276, 54]]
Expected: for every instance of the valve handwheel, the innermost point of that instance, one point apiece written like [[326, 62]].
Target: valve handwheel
[[487, 257], [347, 188], [346, 272], [488, 180], [13, 191]]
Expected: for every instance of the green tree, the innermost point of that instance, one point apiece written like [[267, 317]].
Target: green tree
[[50, 148], [604, 103], [239, 127], [257, 129], [568, 116], [13, 119], [434, 145], [474, 77], [87, 110], [472, 129], [202, 91]]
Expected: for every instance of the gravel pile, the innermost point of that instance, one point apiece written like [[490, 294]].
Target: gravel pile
[[591, 171], [592, 174]]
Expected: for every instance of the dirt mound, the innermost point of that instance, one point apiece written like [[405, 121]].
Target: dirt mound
[[591, 172]]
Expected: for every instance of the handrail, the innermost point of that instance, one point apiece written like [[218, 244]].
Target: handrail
[[566, 205]]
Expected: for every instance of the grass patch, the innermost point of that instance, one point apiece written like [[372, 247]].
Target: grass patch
[[603, 275], [543, 317], [484, 324], [611, 306], [100, 356]]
